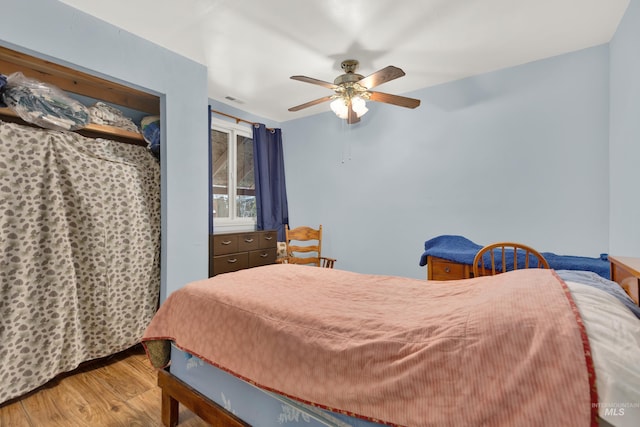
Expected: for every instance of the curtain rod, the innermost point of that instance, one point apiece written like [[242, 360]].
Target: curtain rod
[[238, 119]]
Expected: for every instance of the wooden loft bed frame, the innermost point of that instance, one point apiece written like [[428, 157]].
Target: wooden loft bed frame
[[80, 83]]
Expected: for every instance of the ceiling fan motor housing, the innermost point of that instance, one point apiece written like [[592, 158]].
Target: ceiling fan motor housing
[[347, 78], [349, 66]]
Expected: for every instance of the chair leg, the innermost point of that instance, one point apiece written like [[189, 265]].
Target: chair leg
[[327, 262]]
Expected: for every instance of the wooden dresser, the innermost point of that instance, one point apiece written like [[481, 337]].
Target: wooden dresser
[[625, 271], [237, 251], [442, 269]]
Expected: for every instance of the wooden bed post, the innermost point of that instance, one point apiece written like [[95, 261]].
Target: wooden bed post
[[169, 404], [174, 392]]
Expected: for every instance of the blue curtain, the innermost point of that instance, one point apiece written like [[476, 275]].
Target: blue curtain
[[271, 193]]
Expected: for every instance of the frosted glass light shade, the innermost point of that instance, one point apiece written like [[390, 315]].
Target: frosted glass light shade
[[359, 106], [339, 107]]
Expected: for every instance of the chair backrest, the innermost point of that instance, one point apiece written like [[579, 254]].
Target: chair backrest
[[304, 245], [506, 256]]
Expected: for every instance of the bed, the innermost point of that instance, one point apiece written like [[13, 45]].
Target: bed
[[530, 347], [80, 222]]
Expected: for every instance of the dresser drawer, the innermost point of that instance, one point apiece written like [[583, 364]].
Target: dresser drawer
[[268, 239], [262, 257], [229, 263], [224, 244], [248, 241], [236, 251], [441, 269]]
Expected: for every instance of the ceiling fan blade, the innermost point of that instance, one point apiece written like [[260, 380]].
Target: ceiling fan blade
[[401, 101], [314, 81], [311, 103], [381, 76], [352, 117]]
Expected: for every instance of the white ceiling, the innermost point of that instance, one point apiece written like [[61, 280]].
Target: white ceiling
[[252, 47]]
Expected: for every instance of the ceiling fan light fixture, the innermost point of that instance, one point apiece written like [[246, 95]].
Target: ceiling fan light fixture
[[339, 106], [352, 91], [359, 106]]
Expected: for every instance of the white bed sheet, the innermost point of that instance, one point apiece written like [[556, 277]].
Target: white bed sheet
[[614, 337]]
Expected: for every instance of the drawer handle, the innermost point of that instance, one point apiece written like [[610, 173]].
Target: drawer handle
[[232, 261], [249, 240], [225, 242], [447, 270], [264, 255], [268, 237]]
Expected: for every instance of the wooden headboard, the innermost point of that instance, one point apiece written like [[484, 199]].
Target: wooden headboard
[[80, 83]]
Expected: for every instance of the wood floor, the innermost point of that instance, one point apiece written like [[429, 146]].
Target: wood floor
[[117, 391]]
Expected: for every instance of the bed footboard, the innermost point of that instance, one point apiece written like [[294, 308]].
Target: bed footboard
[[175, 391]]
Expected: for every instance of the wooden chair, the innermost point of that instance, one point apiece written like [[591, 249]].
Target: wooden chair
[[506, 251], [304, 246]]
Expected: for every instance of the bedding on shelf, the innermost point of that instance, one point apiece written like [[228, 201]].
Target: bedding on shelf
[[3, 83], [80, 238], [102, 113], [150, 126], [43, 104], [47, 106], [462, 250], [399, 351]]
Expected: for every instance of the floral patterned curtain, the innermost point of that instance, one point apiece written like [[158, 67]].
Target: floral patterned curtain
[[80, 248]]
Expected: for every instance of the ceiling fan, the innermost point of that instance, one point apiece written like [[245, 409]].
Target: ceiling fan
[[353, 90]]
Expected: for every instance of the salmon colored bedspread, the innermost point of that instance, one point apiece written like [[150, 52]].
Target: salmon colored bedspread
[[508, 350]]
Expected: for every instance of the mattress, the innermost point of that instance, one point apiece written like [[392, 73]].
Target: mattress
[[258, 407]]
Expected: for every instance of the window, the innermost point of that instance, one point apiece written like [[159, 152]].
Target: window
[[233, 189]]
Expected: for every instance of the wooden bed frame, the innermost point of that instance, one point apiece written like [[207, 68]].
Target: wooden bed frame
[[80, 83], [175, 391]]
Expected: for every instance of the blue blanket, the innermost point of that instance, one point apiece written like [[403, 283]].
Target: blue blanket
[[462, 250]]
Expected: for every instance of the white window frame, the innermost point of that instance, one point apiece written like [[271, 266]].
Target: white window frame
[[232, 223]]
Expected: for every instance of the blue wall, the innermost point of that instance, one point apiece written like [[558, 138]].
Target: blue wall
[[52, 30], [625, 135], [517, 154]]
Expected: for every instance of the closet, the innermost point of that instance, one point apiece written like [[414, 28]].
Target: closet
[[79, 232]]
